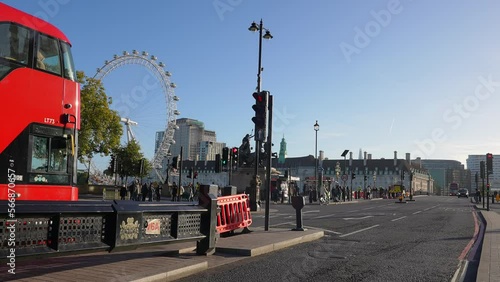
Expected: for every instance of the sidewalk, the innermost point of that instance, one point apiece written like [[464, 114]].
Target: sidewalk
[[156, 263], [489, 264]]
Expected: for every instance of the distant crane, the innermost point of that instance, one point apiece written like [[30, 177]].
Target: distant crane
[[130, 134]]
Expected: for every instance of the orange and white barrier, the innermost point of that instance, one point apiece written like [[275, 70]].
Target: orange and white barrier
[[234, 213]]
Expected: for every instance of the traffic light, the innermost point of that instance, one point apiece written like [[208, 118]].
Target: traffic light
[[225, 155], [113, 163], [366, 178], [286, 173], [175, 162], [260, 118], [489, 163], [190, 173], [195, 175], [481, 169], [353, 175], [234, 154], [217, 163]]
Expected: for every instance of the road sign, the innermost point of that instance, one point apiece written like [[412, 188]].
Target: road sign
[[344, 177]]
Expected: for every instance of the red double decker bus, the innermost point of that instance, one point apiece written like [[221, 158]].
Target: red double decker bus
[[39, 110]]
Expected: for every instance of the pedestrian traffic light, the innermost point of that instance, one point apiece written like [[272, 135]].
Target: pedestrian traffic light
[[234, 154], [190, 173], [175, 162], [225, 155], [260, 118], [217, 163], [489, 163], [195, 174], [481, 169], [353, 175], [365, 177]]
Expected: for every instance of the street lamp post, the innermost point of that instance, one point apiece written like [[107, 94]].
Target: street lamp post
[[316, 129], [254, 27]]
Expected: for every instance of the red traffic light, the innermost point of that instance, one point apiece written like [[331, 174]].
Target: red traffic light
[[258, 96], [235, 150]]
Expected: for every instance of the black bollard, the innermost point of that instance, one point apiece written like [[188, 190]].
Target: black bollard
[[298, 203]]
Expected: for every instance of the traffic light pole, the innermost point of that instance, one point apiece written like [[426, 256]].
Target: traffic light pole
[[487, 191], [482, 168], [269, 161], [180, 176], [230, 171]]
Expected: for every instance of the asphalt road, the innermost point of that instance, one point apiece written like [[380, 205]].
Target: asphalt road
[[373, 240]]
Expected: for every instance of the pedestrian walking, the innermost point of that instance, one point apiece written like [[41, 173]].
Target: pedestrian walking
[[158, 192], [123, 192], [137, 190], [174, 192], [144, 192], [150, 192]]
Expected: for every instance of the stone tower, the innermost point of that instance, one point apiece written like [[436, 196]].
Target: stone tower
[[282, 155]]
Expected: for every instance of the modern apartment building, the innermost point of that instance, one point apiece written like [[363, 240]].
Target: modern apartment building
[[197, 143]]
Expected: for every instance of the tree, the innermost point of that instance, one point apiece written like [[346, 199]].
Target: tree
[[129, 161], [100, 128]]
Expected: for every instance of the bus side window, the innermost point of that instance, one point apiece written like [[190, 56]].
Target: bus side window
[[14, 42], [48, 53], [69, 67]]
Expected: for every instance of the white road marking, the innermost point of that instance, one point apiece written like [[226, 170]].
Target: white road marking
[[311, 211], [325, 230], [323, 216], [417, 212], [364, 217], [396, 219], [361, 230]]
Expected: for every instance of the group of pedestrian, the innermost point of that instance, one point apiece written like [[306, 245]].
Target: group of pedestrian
[[138, 192], [179, 192]]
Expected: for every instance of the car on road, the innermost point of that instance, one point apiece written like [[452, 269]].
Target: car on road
[[463, 193]]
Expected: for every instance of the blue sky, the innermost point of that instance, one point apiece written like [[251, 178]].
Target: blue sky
[[415, 76]]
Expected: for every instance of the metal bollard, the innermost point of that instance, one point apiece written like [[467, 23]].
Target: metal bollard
[[298, 202]]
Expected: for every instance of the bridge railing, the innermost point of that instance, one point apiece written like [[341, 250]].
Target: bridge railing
[[48, 227]]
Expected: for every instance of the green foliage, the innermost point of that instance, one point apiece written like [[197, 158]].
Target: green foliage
[[129, 161], [100, 128]]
